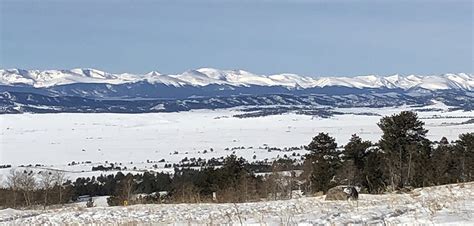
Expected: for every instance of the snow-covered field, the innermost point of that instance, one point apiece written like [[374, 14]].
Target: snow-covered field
[[54, 140], [63, 138], [139, 141], [448, 204]]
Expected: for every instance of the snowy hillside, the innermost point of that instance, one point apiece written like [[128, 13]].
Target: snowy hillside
[[447, 204], [209, 76]]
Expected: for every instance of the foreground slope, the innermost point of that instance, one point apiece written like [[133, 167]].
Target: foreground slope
[[447, 204]]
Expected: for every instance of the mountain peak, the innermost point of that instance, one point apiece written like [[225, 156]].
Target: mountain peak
[[153, 73]]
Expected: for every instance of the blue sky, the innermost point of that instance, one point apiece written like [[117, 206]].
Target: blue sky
[[273, 36]]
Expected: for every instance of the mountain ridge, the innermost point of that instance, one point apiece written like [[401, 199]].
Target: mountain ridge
[[237, 78], [13, 102]]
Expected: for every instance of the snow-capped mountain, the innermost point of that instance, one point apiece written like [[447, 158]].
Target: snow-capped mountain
[[239, 78], [90, 90]]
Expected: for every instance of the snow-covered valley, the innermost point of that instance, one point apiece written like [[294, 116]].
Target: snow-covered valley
[[141, 141]]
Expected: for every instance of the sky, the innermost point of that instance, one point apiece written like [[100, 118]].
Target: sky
[[313, 38]]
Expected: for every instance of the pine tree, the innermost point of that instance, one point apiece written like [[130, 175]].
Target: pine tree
[[444, 158], [355, 158], [403, 139], [465, 150], [324, 160], [374, 176]]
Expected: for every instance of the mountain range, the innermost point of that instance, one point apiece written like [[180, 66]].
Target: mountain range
[[91, 90], [210, 76]]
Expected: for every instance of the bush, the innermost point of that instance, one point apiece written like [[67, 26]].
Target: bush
[[114, 201]]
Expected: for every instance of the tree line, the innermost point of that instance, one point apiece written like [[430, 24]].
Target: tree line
[[402, 159]]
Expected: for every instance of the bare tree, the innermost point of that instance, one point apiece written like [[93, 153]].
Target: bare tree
[[27, 184], [46, 183], [188, 193], [13, 182], [127, 187], [59, 178]]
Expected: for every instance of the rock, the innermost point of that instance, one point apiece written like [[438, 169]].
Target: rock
[[342, 192]]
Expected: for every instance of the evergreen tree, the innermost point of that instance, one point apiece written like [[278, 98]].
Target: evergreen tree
[[403, 139], [445, 160], [324, 160], [374, 177], [465, 150], [421, 168], [355, 157]]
